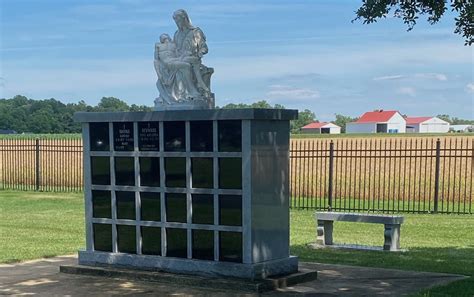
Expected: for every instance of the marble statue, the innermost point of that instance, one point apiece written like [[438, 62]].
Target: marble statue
[[183, 81]]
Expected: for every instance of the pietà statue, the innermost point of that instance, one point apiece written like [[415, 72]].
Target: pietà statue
[[183, 81]]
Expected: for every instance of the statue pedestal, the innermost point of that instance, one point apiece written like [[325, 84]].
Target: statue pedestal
[[196, 191], [185, 105]]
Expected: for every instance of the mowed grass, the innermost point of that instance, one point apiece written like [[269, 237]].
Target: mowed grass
[[436, 243], [35, 225]]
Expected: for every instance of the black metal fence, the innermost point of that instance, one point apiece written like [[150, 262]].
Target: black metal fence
[[41, 164], [418, 175]]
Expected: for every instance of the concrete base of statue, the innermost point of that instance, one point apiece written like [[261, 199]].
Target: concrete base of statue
[[160, 105]]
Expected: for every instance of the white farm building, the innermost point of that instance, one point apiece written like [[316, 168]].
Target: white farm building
[[426, 125], [378, 121], [321, 128], [461, 128]]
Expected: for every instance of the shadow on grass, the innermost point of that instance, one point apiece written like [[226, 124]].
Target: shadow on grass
[[454, 260]]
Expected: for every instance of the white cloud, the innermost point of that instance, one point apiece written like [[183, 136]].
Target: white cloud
[[435, 76], [407, 91], [470, 88], [429, 76], [291, 93], [389, 77]]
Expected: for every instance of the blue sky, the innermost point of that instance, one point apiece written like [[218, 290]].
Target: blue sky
[[302, 54]]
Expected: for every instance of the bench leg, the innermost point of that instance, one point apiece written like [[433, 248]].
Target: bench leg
[[324, 232], [392, 238]]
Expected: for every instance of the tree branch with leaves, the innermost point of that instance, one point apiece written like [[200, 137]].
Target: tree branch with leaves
[[410, 10]]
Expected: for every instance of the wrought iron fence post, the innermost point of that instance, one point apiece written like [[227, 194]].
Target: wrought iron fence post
[[437, 168], [37, 165], [331, 174]]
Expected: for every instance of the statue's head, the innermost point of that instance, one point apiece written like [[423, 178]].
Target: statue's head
[[181, 19], [165, 38]]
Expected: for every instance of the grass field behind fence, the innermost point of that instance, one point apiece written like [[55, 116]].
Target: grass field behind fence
[[35, 225]]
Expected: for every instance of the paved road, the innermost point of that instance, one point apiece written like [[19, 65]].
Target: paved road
[[42, 278]]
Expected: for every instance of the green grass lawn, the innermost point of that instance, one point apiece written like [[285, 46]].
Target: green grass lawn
[[35, 225], [436, 243]]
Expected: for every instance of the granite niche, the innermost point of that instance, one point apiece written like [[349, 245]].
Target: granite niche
[[198, 191]]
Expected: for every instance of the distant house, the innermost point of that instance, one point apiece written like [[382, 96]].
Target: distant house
[[426, 125], [378, 121], [461, 128], [321, 128], [7, 131]]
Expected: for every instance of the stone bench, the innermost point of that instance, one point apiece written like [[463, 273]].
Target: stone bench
[[392, 224]]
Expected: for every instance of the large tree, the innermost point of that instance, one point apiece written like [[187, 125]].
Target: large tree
[[411, 10], [342, 120]]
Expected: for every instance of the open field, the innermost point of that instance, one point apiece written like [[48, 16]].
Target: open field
[[35, 225], [59, 160], [40, 136], [381, 135], [383, 170], [376, 169]]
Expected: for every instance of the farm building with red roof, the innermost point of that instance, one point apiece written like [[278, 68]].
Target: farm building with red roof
[[426, 125], [321, 128], [378, 121]]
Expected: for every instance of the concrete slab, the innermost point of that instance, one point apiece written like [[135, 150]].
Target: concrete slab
[[204, 282], [42, 278]]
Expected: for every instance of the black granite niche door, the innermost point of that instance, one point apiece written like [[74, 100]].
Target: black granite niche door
[[126, 239], [229, 135], [202, 172], [100, 170], [176, 243], [148, 136], [149, 171], [230, 210], [174, 136], [124, 171], [175, 172], [123, 136], [201, 136], [176, 207], [101, 204], [102, 237], [151, 240], [150, 206], [230, 173], [230, 246], [203, 244], [203, 209], [125, 203], [99, 136]]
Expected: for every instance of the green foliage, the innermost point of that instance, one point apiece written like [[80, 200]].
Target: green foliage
[[258, 104], [25, 115], [342, 120], [304, 117], [410, 10], [455, 120]]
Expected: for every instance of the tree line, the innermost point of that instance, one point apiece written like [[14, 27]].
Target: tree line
[[25, 115]]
